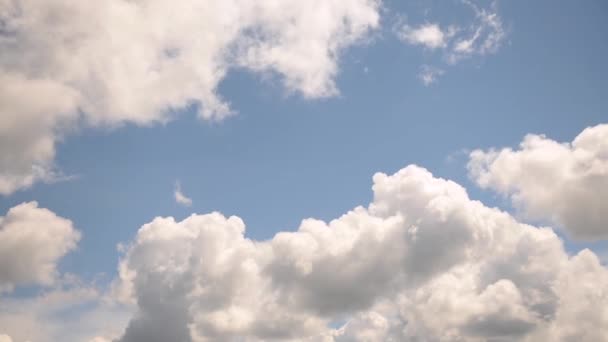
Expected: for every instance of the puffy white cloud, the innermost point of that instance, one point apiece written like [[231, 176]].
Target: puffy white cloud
[[5, 338], [428, 35], [68, 63], [421, 262], [566, 183], [32, 240], [180, 197]]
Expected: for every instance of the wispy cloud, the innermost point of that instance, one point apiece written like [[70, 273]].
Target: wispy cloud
[[484, 34], [180, 197], [429, 74]]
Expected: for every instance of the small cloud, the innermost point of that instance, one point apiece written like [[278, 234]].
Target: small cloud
[[486, 34], [429, 74], [180, 197], [482, 35], [429, 35]]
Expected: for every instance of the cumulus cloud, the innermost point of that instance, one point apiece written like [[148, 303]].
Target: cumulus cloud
[[566, 183], [111, 62], [422, 262], [180, 197], [32, 240]]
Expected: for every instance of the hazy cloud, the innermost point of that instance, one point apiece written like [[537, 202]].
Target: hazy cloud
[[429, 74], [180, 197]]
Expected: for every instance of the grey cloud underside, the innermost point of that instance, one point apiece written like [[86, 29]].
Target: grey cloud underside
[[422, 262]]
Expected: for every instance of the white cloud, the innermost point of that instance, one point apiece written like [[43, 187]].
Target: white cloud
[[5, 338], [32, 240], [69, 312], [421, 262], [66, 64], [180, 197], [28, 128], [566, 183], [428, 35], [483, 35], [429, 74]]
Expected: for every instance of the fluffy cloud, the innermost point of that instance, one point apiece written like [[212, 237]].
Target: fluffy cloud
[[428, 35], [110, 62], [566, 183], [421, 262], [32, 240]]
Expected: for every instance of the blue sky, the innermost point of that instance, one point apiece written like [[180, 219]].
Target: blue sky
[[284, 157]]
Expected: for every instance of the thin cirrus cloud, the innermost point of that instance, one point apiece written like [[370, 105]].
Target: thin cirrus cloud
[[565, 183], [112, 62], [482, 36]]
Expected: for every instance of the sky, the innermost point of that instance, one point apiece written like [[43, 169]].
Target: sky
[[388, 159]]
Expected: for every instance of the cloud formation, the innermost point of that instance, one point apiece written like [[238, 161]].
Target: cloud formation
[[427, 35], [482, 36], [421, 262], [179, 196], [111, 62], [485, 35], [32, 241], [565, 183], [71, 311]]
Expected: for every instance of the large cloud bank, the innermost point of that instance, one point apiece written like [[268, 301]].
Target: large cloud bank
[[66, 63], [566, 183], [422, 262]]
